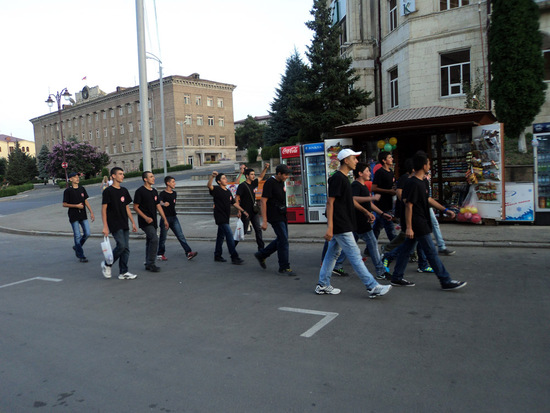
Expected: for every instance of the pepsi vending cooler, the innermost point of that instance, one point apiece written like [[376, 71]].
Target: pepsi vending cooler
[[315, 182], [291, 156]]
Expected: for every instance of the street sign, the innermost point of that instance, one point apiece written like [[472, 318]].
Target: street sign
[[64, 165]]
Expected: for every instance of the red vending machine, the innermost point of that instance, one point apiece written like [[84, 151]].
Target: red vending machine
[[291, 156]]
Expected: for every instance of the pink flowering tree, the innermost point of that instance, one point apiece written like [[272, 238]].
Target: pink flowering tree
[[81, 157]]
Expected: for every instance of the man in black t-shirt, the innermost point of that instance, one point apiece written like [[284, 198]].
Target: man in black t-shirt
[[417, 224], [223, 199], [76, 199], [340, 226], [383, 184], [146, 205], [168, 202], [246, 198], [115, 213], [274, 211]]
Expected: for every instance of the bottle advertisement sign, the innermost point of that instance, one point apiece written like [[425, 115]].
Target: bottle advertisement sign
[[314, 147]]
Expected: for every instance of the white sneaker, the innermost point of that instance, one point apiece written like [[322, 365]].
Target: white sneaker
[[105, 269], [379, 290], [127, 276], [329, 289]]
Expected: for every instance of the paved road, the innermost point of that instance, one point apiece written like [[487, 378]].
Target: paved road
[[210, 337]]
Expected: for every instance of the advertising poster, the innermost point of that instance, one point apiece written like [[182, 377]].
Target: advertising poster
[[520, 204]]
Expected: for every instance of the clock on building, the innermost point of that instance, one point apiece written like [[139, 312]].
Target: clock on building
[[85, 93]]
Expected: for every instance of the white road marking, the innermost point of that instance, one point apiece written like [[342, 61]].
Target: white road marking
[[327, 318], [55, 280]]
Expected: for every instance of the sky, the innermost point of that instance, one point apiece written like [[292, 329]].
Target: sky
[[50, 45]]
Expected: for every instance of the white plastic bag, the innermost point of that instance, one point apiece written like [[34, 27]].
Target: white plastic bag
[[107, 251], [239, 231]]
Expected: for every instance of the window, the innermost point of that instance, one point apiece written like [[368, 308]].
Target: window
[[546, 55], [105, 134], [190, 141], [222, 140], [112, 113], [221, 121], [201, 140], [132, 146], [187, 99], [220, 102], [394, 89], [200, 120], [122, 149], [130, 127], [114, 147], [104, 115], [452, 4], [121, 129], [455, 71], [210, 120], [150, 124], [209, 101], [90, 135], [97, 133], [188, 120], [393, 14], [96, 116], [198, 100], [212, 140], [129, 107], [89, 119], [139, 125], [149, 103], [113, 130], [75, 123]]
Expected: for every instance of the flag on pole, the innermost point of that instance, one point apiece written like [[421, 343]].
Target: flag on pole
[[84, 78]]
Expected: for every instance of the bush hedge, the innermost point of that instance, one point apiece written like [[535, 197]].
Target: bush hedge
[[14, 190]]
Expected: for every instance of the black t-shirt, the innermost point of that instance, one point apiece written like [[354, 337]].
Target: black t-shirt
[[416, 192], [343, 214], [116, 200], [223, 199], [399, 207], [363, 224], [247, 198], [384, 180], [274, 191], [170, 210], [147, 201], [76, 196]]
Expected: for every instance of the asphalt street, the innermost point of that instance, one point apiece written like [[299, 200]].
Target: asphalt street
[[202, 336]]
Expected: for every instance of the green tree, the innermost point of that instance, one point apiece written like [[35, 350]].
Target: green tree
[[21, 167], [517, 65], [3, 166], [281, 127], [250, 135], [327, 98], [81, 157], [42, 161]]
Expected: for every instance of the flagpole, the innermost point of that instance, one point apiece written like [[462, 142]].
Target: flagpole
[[143, 93]]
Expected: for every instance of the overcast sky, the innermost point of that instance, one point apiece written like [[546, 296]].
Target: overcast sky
[[49, 45]]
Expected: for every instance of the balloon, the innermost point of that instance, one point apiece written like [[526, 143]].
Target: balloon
[[462, 210], [460, 217], [387, 147], [468, 216], [381, 144], [393, 147], [393, 141], [476, 219], [473, 210]]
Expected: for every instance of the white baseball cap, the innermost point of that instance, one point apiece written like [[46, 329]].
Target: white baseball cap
[[344, 153]]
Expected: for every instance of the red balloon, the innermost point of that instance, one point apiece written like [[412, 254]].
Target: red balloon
[[460, 217], [476, 219], [468, 216]]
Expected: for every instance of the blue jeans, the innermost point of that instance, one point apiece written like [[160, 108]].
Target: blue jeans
[[393, 254], [279, 244], [122, 249], [380, 222], [79, 239], [254, 219], [347, 242], [175, 226], [437, 232], [372, 247], [427, 245], [224, 231], [151, 244]]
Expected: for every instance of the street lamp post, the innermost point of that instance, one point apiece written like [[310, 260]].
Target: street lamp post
[[182, 125], [65, 94], [163, 128]]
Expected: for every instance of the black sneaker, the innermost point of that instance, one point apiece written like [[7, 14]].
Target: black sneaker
[[83, 259], [237, 261], [447, 252], [339, 272], [287, 271], [385, 276], [220, 259], [260, 259], [152, 268], [453, 285], [402, 283]]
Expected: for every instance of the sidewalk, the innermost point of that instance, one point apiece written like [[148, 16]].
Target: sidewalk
[[52, 220]]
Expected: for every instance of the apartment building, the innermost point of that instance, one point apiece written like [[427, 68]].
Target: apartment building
[[198, 117], [418, 53], [8, 144]]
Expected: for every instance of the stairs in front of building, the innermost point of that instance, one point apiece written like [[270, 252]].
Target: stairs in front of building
[[194, 200]]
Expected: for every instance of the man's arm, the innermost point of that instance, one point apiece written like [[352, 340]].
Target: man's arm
[[141, 214], [134, 228], [330, 224], [363, 210], [104, 219], [434, 204], [92, 217], [79, 206], [379, 190], [266, 167], [161, 212], [209, 184], [263, 202], [408, 219], [238, 206], [241, 169]]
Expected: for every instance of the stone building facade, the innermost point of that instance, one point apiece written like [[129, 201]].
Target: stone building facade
[[413, 54], [198, 117]]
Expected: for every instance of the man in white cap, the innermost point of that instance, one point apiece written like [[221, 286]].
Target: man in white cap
[[341, 224]]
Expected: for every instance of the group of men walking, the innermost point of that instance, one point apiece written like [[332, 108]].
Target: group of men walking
[[352, 213]]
